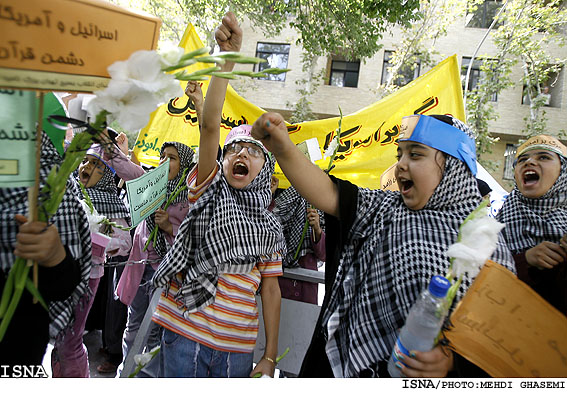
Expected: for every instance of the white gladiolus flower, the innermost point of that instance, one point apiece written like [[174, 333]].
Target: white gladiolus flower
[[170, 54], [93, 217], [144, 358], [478, 241], [332, 148], [137, 88]]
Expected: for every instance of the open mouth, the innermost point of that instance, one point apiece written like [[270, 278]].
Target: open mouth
[[405, 185], [84, 177], [239, 169], [530, 178]]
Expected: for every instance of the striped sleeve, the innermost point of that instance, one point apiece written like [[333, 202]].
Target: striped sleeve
[[196, 191], [270, 266]]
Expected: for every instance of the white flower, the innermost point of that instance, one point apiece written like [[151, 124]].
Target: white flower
[[170, 54], [138, 86], [478, 241], [128, 104], [142, 359], [332, 148], [94, 218], [145, 358]]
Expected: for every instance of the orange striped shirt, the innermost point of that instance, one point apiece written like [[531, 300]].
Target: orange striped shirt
[[230, 323]]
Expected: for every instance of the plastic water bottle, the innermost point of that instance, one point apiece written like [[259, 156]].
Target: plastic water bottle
[[423, 323]]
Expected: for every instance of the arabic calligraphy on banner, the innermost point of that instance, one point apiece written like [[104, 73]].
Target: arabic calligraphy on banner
[[80, 38], [507, 329]]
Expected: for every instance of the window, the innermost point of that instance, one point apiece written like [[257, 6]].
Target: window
[[475, 76], [406, 74], [550, 91], [277, 55], [344, 73], [483, 16], [509, 162]]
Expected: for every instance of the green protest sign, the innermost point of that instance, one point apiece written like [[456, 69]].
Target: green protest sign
[[17, 138], [147, 193]]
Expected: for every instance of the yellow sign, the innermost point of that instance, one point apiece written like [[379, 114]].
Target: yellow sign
[[507, 329], [68, 44], [368, 140]]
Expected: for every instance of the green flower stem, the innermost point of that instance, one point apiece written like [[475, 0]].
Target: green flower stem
[[303, 234], [140, 366], [35, 292], [178, 189]]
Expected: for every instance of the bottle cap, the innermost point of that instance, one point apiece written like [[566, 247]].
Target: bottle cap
[[439, 286]]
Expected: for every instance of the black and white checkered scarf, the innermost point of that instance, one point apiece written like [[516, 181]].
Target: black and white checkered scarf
[[389, 257], [530, 221], [104, 195], [73, 228], [227, 230], [291, 209], [185, 161]]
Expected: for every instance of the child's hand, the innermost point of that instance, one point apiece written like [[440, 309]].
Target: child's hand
[[313, 218], [435, 363], [229, 34], [271, 130], [546, 255], [274, 183], [563, 242], [162, 220], [39, 242], [194, 92], [265, 367], [122, 142]]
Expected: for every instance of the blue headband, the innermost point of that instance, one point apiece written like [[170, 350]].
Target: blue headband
[[446, 138]]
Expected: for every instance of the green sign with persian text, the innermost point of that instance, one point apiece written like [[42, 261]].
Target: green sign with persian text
[[147, 193], [17, 138]]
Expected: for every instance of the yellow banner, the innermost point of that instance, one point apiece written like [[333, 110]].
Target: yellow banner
[[68, 45], [507, 329], [368, 138]]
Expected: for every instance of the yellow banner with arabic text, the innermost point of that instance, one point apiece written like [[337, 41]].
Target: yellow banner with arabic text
[[368, 140]]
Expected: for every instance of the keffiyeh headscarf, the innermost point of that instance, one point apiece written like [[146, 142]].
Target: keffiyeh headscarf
[[389, 257], [185, 161], [227, 230], [73, 228], [104, 194], [291, 209], [530, 221]]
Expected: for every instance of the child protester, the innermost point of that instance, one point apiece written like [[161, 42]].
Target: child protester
[[134, 288], [69, 357], [62, 250], [384, 247], [535, 215], [227, 246], [293, 211]]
